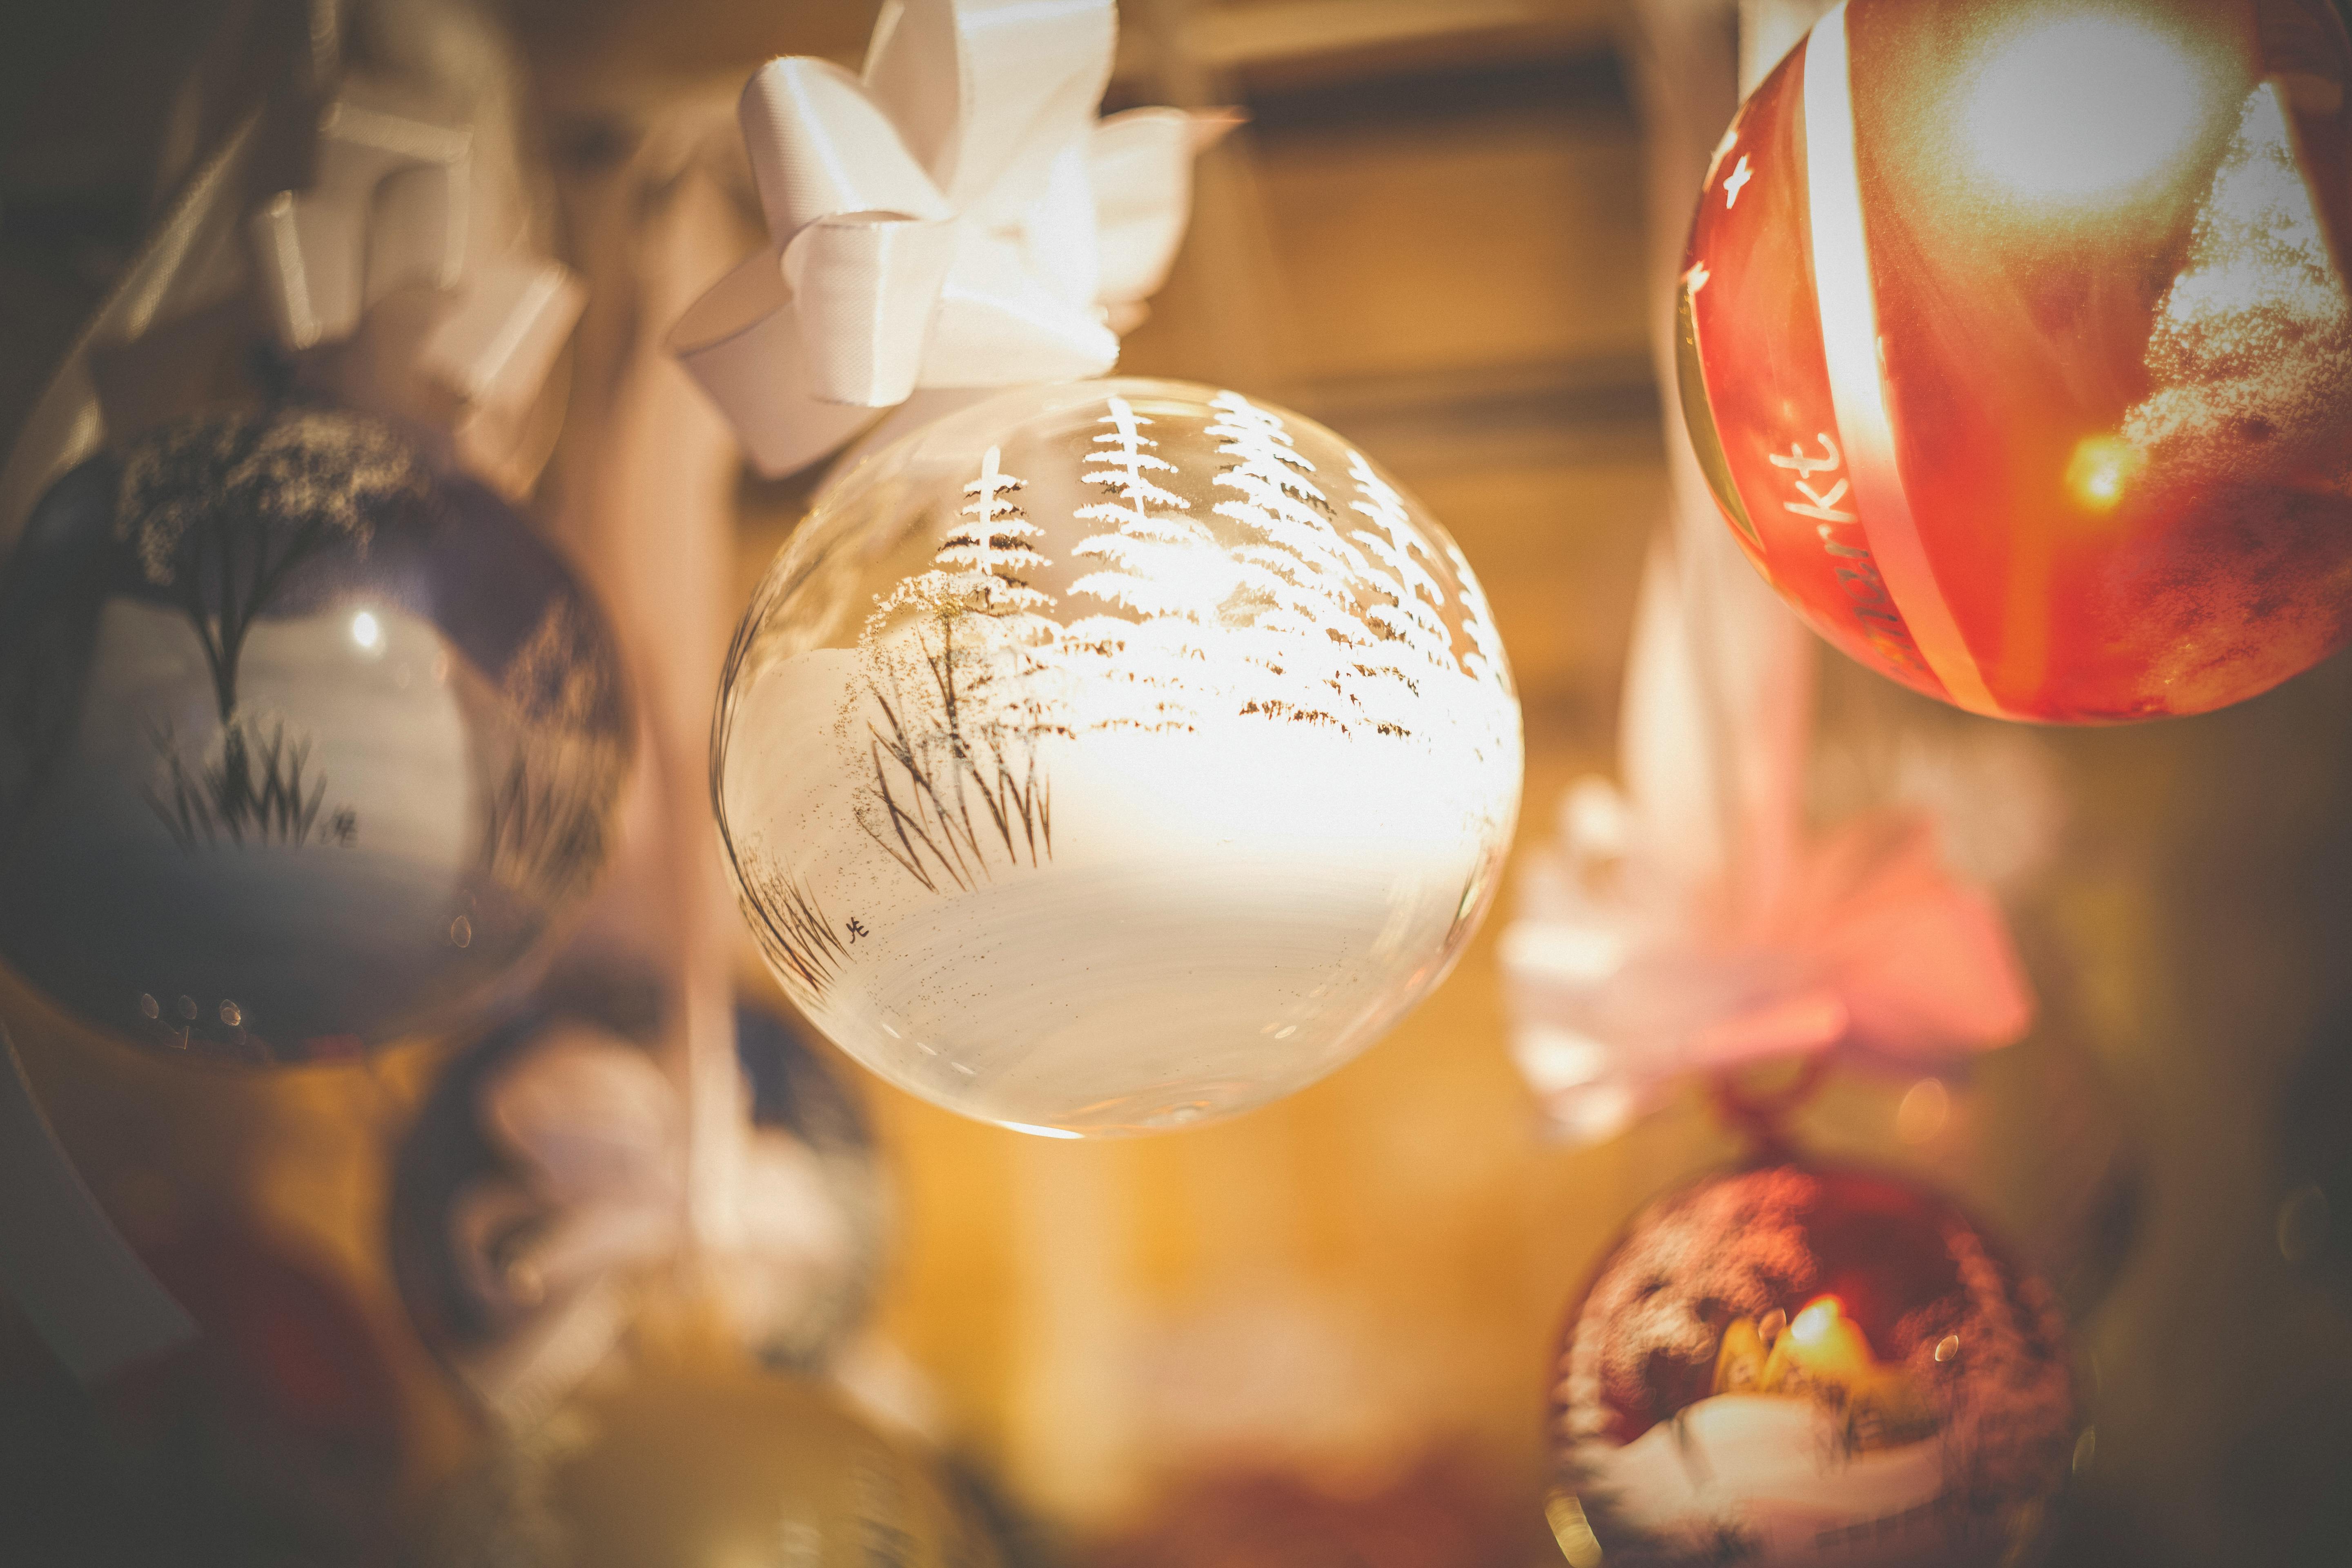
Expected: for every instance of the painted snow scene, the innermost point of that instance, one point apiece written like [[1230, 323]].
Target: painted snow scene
[[301, 742], [1115, 756], [1792, 1366]]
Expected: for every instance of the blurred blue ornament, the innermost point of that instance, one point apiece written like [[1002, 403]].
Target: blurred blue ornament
[[300, 741]]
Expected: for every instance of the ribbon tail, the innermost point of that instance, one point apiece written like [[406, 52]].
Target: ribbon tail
[[1670, 753], [741, 343], [496, 347], [94, 1303]]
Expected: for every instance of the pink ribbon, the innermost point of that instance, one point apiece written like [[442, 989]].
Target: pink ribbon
[[955, 216], [1663, 935], [1617, 991]]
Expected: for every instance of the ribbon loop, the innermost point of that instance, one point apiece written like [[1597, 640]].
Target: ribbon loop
[[821, 148], [849, 270], [388, 283], [933, 223]]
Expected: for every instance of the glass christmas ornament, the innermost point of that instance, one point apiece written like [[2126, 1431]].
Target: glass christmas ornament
[[1114, 756], [541, 1191], [700, 1465], [1790, 1364], [2017, 349], [299, 740]]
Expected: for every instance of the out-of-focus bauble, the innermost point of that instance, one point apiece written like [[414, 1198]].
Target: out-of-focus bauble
[[542, 1194], [277, 1436], [811, 1210], [300, 741], [1114, 756], [2017, 347], [1795, 1365], [706, 1468]]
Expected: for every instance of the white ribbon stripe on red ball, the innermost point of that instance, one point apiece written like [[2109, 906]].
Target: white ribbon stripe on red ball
[[955, 216], [393, 212]]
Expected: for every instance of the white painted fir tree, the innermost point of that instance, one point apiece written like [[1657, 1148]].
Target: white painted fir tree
[[1484, 662], [1417, 621], [1161, 567], [1309, 653]]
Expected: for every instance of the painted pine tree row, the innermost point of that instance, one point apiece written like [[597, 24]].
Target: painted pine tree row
[[1295, 614]]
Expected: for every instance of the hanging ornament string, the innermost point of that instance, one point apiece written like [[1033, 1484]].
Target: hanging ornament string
[[956, 216], [1688, 922], [1762, 1115]]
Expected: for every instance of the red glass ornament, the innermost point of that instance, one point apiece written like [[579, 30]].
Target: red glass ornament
[[2017, 348], [278, 1435], [1791, 1364]]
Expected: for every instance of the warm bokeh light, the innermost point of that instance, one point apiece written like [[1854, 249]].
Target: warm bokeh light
[[2101, 470], [1814, 1325], [1565, 1514], [367, 631], [2123, 101], [1924, 1107]]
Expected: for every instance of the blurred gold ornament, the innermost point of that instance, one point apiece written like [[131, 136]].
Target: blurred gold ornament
[[698, 1463]]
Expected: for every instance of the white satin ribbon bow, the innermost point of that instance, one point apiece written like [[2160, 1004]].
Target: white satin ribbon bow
[[956, 216], [390, 268]]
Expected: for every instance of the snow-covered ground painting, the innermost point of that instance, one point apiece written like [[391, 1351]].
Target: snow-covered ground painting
[[1789, 1366], [1116, 756]]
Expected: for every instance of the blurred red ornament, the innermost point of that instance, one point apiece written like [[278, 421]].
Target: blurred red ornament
[[1790, 1364], [277, 1436], [2017, 348]]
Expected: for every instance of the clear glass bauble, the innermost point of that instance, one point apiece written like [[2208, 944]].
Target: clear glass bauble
[[1793, 1363], [1114, 756], [300, 742]]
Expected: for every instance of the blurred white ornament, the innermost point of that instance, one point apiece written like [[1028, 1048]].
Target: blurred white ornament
[[1115, 756], [542, 1193]]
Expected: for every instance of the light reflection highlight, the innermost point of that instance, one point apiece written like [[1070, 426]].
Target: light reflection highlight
[[2101, 470], [2086, 109], [1036, 1131], [1924, 1110]]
